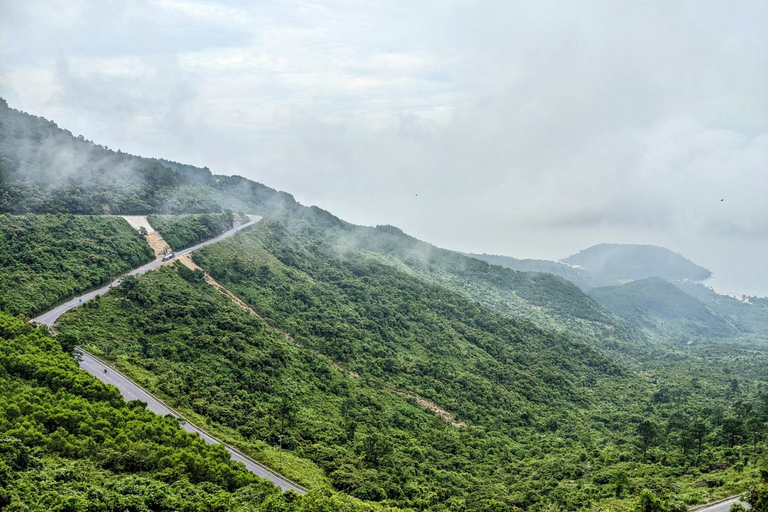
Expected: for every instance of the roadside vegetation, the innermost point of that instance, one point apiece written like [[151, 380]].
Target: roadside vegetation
[[45, 259], [70, 442], [182, 231]]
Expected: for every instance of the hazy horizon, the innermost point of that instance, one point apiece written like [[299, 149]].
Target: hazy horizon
[[522, 129]]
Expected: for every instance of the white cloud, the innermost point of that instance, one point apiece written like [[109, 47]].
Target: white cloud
[[526, 128]]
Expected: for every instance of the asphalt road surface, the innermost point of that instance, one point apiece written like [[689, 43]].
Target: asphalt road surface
[[51, 316], [723, 506], [132, 391]]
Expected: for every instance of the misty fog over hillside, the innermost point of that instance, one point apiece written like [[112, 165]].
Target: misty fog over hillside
[[531, 130]]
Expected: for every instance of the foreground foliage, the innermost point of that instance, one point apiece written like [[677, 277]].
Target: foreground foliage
[[70, 442]]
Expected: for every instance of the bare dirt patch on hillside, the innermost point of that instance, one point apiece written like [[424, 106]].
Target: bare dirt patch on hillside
[[447, 416], [158, 244]]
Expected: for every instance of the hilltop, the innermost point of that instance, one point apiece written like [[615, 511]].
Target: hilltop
[[630, 262]]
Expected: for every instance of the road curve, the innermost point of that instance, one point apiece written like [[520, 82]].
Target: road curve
[[132, 391], [49, 318]]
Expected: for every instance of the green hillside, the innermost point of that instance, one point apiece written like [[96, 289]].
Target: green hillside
[[630, 261], [750, 315], [662, 307], [183, 231], [548, 422], [398, 373], [400, 335], [45, 259], [547, 300]]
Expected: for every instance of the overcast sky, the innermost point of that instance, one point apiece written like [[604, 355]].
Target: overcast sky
[[530, 129]]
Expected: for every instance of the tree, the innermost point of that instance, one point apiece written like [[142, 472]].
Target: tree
[[647, 432], [619, 481], [733, 427], [756, 428], [686, 441], [698, 430]]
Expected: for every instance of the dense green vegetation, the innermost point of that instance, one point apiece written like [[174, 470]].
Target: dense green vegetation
[[549, 400], [549, 421], [183, 231], [750, 316], [547, 300], [70, 442], [48, 258], [630, 261]]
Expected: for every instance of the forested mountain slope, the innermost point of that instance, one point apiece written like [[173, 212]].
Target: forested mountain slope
[[398, 334], [100, 179], [578, 276], [545, 299], [664, 309], [749, 314], [548, 421], [361, 334]]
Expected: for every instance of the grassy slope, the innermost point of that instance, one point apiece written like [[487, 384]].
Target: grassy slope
[[45, 259]]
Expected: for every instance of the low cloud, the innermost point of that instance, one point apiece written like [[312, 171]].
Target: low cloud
[[525, 128]]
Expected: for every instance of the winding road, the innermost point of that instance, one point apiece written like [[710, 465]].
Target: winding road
[[132, 391], [49, 318]]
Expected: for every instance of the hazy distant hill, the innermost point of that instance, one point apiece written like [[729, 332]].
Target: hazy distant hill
[[629, 261], [580, 277], [751, 316], [662, 307]]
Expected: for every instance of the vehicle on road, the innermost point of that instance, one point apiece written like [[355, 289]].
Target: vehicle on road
[[169, 256]]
